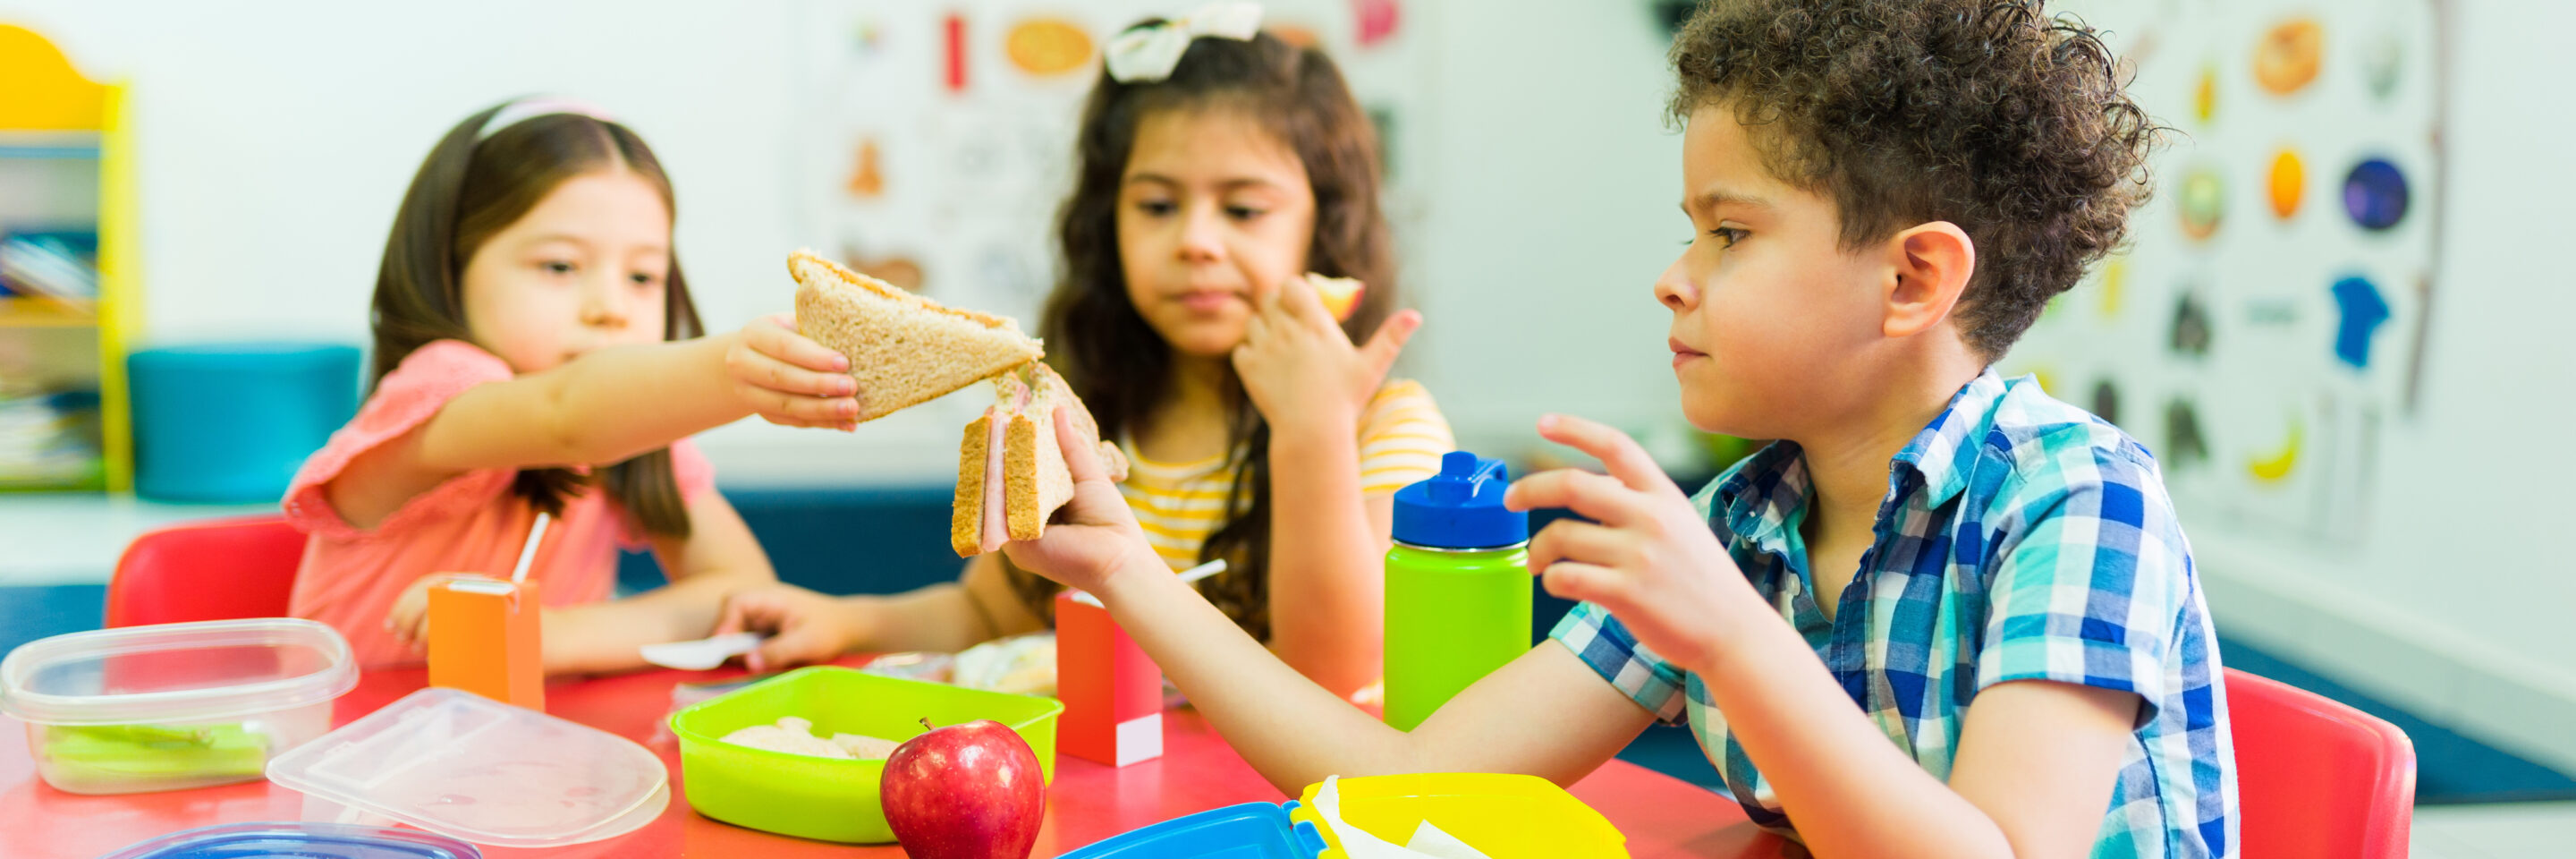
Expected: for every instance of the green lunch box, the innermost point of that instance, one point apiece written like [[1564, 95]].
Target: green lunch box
[[830, 799]]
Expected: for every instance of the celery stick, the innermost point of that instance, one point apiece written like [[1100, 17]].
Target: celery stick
[[152, 751]]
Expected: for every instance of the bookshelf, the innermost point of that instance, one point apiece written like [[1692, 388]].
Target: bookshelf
[[69, 291]]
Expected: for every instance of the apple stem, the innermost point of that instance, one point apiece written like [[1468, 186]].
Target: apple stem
[[925, 724]]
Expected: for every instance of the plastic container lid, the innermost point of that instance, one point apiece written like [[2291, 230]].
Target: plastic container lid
[[1504, 816], [176, 672], [468, 767], [1253, 830], [1461, 507], [298, 841]]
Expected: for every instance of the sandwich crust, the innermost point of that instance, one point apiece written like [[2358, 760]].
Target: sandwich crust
[[1035, 480], [904, 349]]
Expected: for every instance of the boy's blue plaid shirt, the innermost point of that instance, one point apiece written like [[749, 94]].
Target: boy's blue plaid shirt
[[2020, 539]]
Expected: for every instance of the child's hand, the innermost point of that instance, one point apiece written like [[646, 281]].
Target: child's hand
[[1299, 367], [409, 619], [1094, 536], [791, 380], [804, 627], [1652, 561]]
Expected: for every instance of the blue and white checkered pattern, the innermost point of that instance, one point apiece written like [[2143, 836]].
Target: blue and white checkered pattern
[[2020, 539]]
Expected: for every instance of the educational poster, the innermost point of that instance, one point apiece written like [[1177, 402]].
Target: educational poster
[[940, 137], [2267, 323]]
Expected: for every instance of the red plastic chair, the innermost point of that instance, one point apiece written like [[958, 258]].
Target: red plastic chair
[[2316, 778], [206, 571]]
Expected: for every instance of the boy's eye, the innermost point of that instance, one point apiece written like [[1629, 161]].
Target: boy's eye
[[1729, 235]]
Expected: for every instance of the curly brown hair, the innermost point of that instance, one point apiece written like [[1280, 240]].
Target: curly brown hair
[[1116, 362], [1990, 114]]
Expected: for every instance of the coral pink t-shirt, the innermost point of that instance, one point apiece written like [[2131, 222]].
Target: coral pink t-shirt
[[471, 523]]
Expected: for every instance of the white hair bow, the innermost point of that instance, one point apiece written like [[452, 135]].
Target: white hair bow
[[1149, 53]]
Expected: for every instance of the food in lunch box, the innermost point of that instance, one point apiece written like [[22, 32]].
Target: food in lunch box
[[1018, 665], [96, 754], [796, 737], [904, 349]]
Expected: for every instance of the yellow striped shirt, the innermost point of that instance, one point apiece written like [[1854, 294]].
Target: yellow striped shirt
[[1402, 435]]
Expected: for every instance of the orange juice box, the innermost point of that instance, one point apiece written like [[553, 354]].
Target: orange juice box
[[483, 638]]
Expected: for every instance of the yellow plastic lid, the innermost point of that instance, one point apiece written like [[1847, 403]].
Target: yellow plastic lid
[[1503, 816]]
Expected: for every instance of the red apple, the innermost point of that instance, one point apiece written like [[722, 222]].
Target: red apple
[[971, 791]]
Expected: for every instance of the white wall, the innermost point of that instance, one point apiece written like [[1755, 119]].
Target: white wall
[[2459, 604], [1553, 208], [2454, 602], [277, 136]]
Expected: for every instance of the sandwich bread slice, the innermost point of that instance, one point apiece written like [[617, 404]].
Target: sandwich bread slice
[[1011, 474], [904, 349]]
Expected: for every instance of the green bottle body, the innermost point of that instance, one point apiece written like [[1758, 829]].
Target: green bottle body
[[1452, 616]]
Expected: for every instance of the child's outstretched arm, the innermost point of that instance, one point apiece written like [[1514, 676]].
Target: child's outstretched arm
[[1327, 588], [605, 407], [2036, 761], [807, 627], [612, 404], [1290, 729]]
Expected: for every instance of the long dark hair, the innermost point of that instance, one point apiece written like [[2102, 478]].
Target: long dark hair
[[1115, 361], [465, 192]]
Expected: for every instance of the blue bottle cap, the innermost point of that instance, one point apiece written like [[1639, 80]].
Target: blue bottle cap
[[1461, 507]]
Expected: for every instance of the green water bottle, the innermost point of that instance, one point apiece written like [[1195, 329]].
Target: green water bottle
[[1457, 586]]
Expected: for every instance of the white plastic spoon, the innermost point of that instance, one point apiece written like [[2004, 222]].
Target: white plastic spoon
[[704, 653]]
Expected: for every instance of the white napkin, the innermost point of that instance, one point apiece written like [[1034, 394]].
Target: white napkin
[[1428, 841]]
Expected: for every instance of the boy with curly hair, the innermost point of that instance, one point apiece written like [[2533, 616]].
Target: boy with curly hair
[[1946, 615]]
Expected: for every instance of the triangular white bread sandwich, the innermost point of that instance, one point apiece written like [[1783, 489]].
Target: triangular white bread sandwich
[[1010, 472], [904, 349]]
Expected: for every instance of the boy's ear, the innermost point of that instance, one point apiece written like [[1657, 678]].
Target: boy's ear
[[1933, 261]]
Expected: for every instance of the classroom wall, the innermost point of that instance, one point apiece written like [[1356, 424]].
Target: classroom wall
[[2455, 603], [277, 137]]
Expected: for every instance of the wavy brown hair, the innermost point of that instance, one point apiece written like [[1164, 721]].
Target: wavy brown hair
[[1990, 114], [465, 192], [1116, 362]]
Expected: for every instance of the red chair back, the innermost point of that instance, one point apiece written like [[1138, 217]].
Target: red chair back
[[206, 571], [2316, 778]]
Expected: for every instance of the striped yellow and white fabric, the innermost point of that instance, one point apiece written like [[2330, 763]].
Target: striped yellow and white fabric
[[1402, 435]]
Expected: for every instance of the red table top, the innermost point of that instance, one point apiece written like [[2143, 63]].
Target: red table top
[[1661, 815]]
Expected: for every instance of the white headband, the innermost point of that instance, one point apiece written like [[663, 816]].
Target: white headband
[[535, 106], [1149, 53]]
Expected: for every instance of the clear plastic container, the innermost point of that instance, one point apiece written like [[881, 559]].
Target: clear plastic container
[[173, 706], [470, 768]]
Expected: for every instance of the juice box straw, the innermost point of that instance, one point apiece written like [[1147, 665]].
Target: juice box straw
[[528, 553], [1187, 576]]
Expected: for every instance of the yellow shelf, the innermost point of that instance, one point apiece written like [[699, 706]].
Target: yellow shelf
[[17, 312], [52, 111]]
